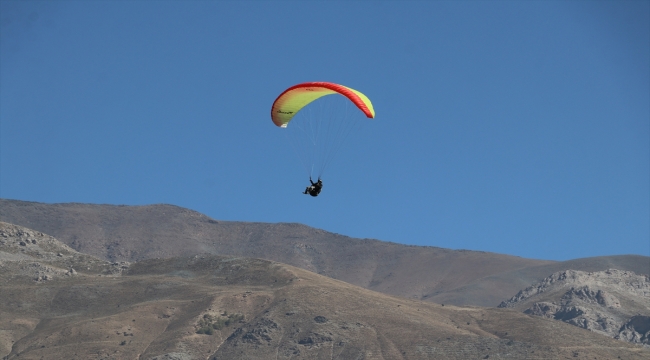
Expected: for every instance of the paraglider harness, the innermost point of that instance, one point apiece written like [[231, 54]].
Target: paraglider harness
[[315, 187]]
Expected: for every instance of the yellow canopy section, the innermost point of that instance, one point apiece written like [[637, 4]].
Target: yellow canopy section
[[298, 96]]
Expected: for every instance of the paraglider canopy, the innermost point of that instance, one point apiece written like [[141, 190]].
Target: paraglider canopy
[[319, 123], [292, 100]]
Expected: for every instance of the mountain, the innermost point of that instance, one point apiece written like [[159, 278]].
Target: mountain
[[57, 303], [460, 277], [614, 303]]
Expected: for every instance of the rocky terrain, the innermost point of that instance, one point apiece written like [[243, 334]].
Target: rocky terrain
[[459, 277], [59, 304], [34, 255], [614, 303]]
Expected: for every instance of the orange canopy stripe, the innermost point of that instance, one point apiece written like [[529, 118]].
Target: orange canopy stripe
[[292, 100]]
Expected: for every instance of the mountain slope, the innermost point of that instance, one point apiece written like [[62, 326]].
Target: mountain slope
[[219, 307], [131, 233], [614, 303]]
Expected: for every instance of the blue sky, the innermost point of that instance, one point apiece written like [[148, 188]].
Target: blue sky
[[513, 127]]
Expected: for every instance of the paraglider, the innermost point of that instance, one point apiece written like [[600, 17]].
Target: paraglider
[[318, 126], [315, 187]]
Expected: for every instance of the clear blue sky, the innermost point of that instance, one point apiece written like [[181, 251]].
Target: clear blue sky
[[517, 127]]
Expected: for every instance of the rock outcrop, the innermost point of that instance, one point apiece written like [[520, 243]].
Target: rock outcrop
[[614, 303], [26, 253]]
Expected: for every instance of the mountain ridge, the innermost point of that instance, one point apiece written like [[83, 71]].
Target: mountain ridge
[[223, 307], [133, 233]]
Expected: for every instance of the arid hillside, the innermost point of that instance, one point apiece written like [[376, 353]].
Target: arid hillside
[[613, 302], [60, 304], [460, 277]]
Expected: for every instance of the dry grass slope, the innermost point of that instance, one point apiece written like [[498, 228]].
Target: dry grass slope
[[133, 233], [155, 308]]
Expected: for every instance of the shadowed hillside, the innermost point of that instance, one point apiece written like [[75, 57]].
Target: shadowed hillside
[[131, 233], [216, 307]]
